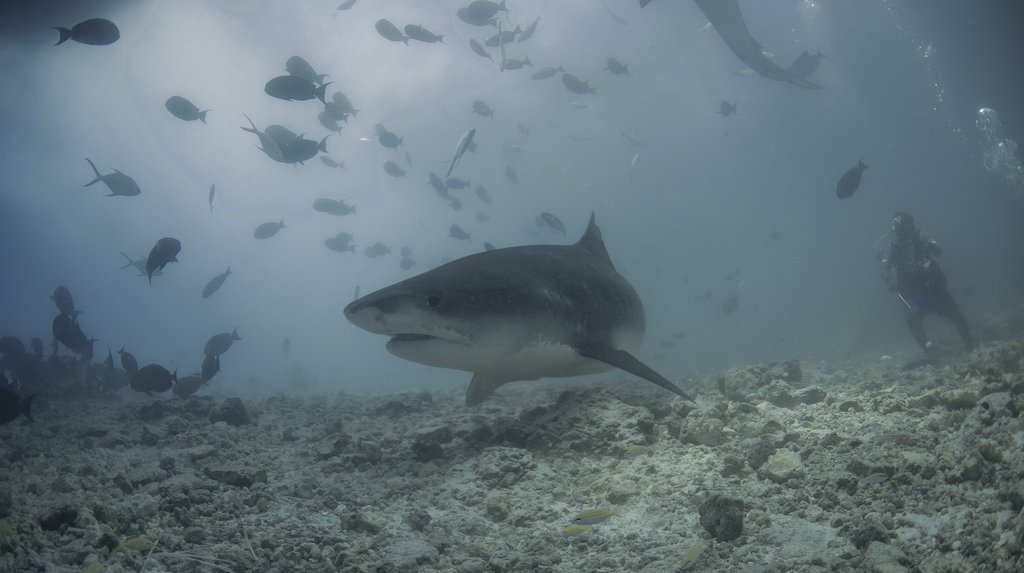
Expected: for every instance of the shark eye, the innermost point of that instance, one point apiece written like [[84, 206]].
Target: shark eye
[[432, 302]]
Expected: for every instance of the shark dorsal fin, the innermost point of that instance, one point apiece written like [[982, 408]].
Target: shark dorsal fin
[[592, 242]]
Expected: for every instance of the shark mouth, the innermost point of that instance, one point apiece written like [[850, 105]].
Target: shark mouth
[[405, 337]]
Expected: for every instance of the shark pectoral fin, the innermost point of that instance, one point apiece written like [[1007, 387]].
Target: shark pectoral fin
[[480, 387], [626, 361]]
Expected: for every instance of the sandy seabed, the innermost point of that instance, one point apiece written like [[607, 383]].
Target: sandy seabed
[[788, 466]]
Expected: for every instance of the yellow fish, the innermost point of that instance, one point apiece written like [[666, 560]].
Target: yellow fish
[[137, 543], [593, 516], [575, 530], [694, 552]]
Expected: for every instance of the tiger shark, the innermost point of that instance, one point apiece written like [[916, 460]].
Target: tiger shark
[[518, 313], [726, 17]]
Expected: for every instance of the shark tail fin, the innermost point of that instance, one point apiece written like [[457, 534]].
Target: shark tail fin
[[65, 35], [481, 387]]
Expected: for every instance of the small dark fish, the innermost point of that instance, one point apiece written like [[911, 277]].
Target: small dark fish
[[731, 304], [286, 346], [377, 249], [389, 31], [387, 138], [511, 175], [850, 181], [458, 232], [456, 183], [300, 68], [422, 34], [164, 251], [333, 207], [501, 38], [213, 190], [553, 222], [514, 64], [340, 243], [393, 169], [215, 283], [96, 32], [211, 366], [185, 110], [11, 406], [347, 5], [481, 192], [488, 246], [530, 30], [479, 49], [65, 304], [480, 12], [455, 204], [616, 67], [187, 386], [482, 109], [153, 378], [117, 182], [294, 88], [575, 85], [545, 73], [128, 362], [220, 343], [267, 230], [464, 144], [726, 109]]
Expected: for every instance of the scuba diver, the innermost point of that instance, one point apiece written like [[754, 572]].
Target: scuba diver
[[913, 273]]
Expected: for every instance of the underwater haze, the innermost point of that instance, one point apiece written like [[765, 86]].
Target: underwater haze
[[697, 208]]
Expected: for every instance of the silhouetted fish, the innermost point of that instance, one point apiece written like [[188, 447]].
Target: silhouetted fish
[[164, 251], [95, 31], [850, 181], [215, 283], [183, 109], [128, 362], [117, 182], [267, 230], [11, 406], [294, 88], [220, 343], [153, 378]]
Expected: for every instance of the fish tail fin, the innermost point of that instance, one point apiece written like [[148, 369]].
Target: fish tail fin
[[322, 146], [861, 164], [25, 407], [202, 115], [65, 34], [126, 265], [149, 274], [234, 334], [94, 170], [228, 272], [321, 91]]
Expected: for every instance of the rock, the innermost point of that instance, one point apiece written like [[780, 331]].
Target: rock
[[722, 517], [360, 522], [236, 475], [502, 467], [883, 558], [702, 429], [232, 411], [59, 518], [153, 412], [406, 555], [426, 445], [782, 466]]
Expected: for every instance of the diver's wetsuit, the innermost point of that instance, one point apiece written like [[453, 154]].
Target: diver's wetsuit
[[921, 286]]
